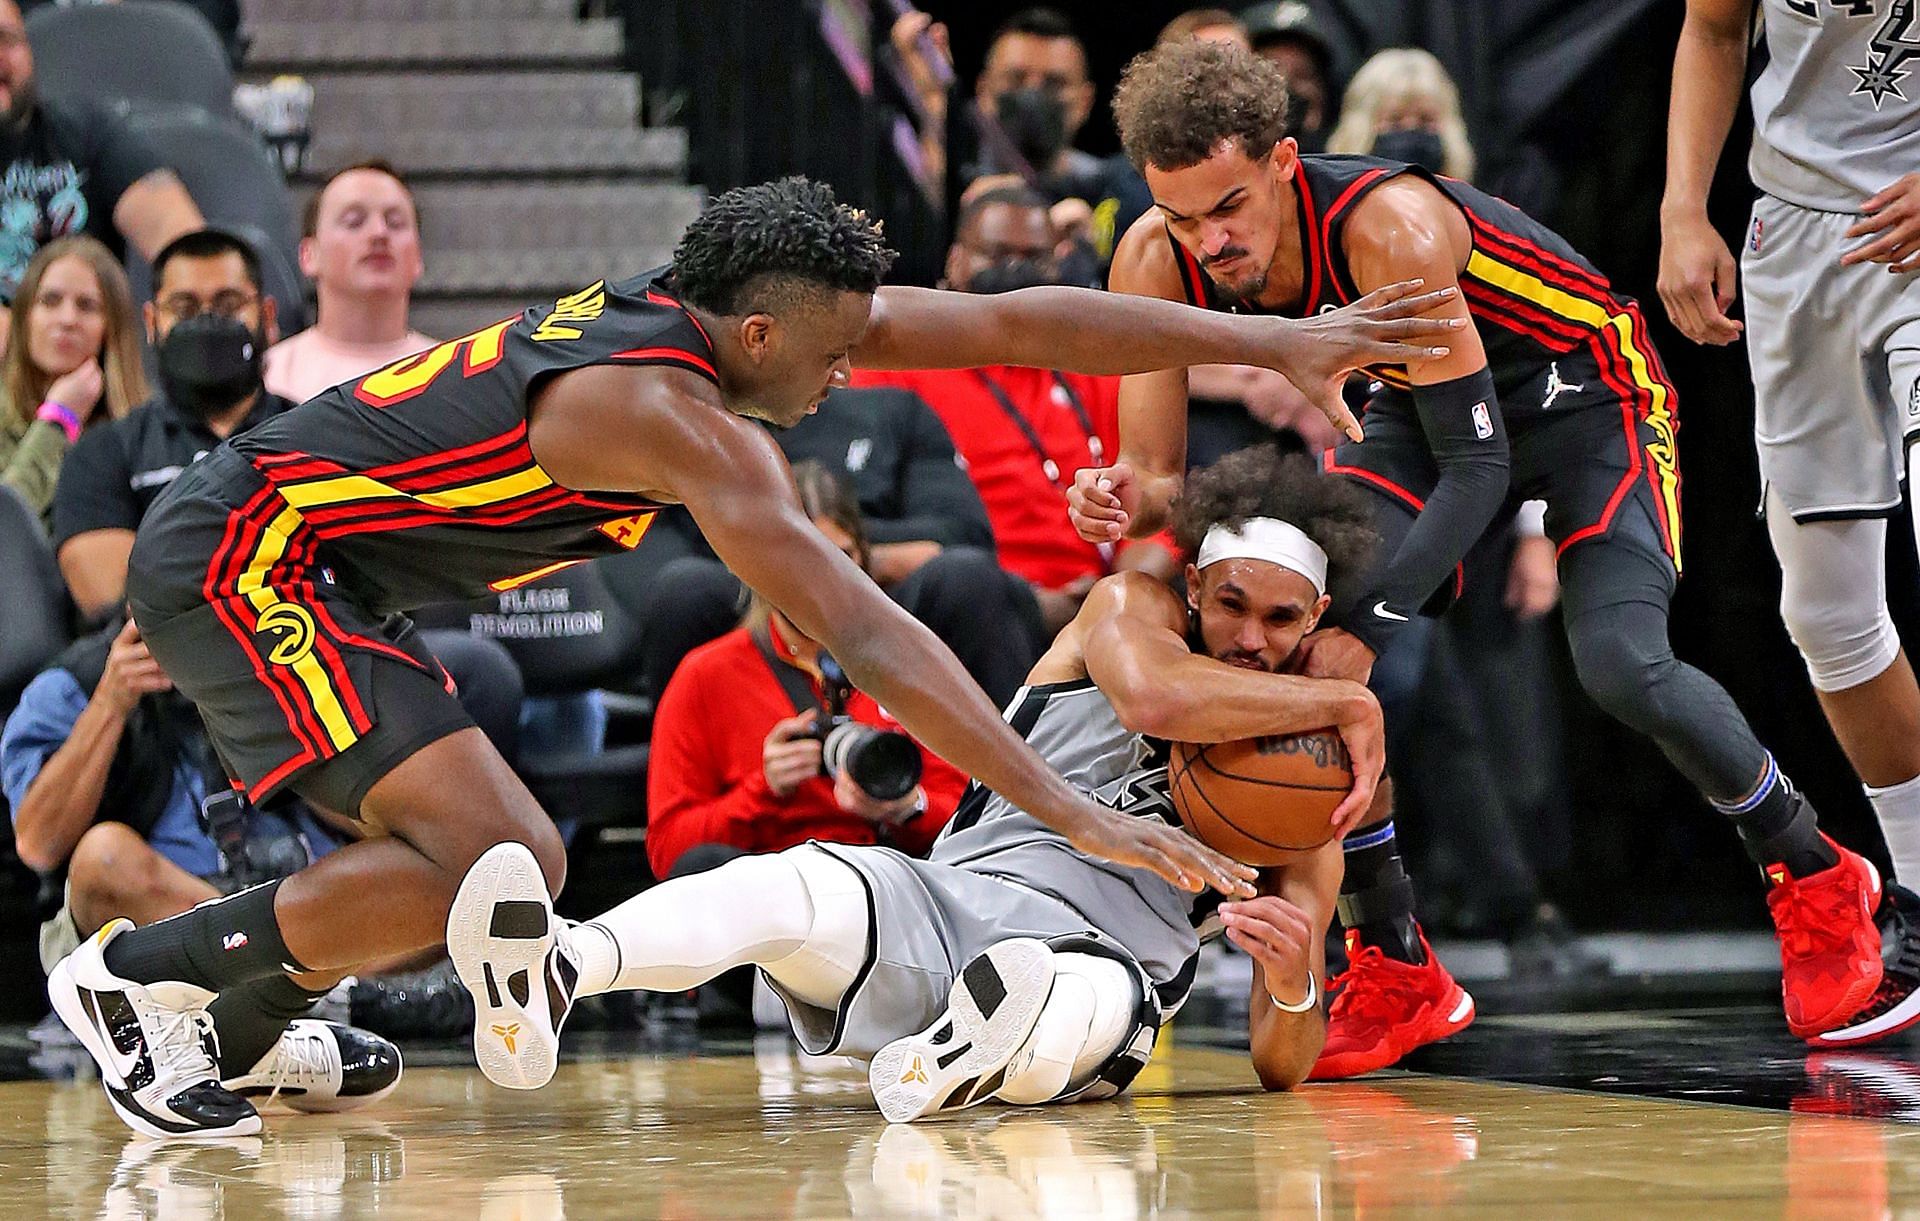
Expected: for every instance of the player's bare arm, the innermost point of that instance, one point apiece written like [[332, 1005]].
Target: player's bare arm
[[1697, 271], [677, 440], [1132, 635], [1284, 931]]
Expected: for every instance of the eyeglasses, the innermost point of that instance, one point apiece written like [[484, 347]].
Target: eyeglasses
[[230, 304]]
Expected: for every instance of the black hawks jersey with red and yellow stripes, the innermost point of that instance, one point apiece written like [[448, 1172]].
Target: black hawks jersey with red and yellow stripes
[[416, 482], [1556, 334]]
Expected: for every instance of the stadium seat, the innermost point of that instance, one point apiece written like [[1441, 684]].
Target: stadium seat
[[33, 615], [233, 178], [146, 50]]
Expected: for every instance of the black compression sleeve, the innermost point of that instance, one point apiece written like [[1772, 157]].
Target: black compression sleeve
[[1461, 419]]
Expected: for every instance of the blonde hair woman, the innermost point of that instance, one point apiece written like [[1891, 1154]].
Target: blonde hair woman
[[1402, 105], [73, 358]]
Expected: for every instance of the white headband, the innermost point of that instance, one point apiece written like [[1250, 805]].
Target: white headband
[[1269, 539]]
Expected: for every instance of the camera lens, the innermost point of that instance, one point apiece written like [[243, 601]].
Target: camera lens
[[884, 764]]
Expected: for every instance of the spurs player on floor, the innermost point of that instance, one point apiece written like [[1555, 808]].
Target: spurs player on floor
[[1833, 337], [1011, 965], [1244, 223]]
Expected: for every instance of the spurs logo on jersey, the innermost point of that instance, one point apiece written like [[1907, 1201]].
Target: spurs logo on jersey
[[1892, 46]]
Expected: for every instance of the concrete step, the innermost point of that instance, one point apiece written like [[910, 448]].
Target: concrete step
[[535, 217], [304, 46], [656, 152], [462, 102], [270, 11], [534, 275]]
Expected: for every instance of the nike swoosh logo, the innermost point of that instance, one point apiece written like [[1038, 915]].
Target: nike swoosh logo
[[1380, 609], [123, 1063], [1462, 1009]]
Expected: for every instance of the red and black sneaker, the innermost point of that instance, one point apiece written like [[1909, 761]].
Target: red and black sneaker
[[1895, 1004], [1384, 1008], [1829, 945]]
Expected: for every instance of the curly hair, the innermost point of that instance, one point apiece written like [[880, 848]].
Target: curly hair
[[1177, 102], [756, 249], [1263, 481]]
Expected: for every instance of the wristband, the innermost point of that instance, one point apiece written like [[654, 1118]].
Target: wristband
[[61, 414], [1312, 998]]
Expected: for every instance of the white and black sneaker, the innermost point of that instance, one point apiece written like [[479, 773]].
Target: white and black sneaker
[[511, 953], [322, 1066], [962, 1058], [154, 1044], [1895, 1004]]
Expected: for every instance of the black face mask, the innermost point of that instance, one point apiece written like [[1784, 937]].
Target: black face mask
[[209, 364], [1035, 121], [1413, 145], [1009, 274]]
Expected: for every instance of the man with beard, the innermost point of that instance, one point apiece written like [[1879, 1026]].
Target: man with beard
[[1020, 432], [209, 323], [72, 166]]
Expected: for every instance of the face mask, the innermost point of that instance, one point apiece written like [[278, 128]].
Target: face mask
[[1035, 120], [1413, 145], [209, 364], [1010, 274]]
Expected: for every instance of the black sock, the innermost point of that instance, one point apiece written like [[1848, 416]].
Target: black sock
[[250, 1019], [1376, 896], [220, 944], [1777, 826]]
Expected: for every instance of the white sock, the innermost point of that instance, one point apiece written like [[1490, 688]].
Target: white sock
[[1898, 808], [800, 915]]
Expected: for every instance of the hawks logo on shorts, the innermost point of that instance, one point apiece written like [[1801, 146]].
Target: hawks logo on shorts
[[289, 630]]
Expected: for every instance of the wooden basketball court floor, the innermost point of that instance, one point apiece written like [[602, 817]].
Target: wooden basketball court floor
[[753, 1130]]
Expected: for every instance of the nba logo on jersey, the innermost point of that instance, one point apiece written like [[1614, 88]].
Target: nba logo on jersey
[[1482, 422], [1753, 238]]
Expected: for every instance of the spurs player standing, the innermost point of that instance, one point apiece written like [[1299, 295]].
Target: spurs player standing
[[1834, 340]]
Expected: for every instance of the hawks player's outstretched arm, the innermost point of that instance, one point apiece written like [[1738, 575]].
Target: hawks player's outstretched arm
[[1082, 330], [1284, 931], [665, 433], [1131, 632], [1697, 271]]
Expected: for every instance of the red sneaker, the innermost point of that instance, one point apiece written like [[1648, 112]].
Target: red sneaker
[[1829, 944], [1384, 1008], [1895, 1004]]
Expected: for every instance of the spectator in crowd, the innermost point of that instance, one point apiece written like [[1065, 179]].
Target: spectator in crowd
[[361, 248], [73, 166], [209, 322], [75, 361], [737, 760], [1288, 33], [1021, 433], [1207, 23], [105, 768], [932, 546], [1403, 106]]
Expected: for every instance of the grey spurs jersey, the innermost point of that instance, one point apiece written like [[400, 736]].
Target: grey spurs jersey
[[1074, 728], [1837, 109]]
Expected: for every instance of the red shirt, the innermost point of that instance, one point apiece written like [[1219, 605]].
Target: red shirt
[[1028, 509], [704, 779]]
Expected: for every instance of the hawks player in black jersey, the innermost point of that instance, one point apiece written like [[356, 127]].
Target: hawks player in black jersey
[[1552, 393], [268, 581]]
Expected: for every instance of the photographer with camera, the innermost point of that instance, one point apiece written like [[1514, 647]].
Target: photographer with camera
[[114, 784], [760, 743]]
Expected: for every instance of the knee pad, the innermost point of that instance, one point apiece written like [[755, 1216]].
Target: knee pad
[[1833, 596], [1616, 670], [839, 934], [1095, 1032]]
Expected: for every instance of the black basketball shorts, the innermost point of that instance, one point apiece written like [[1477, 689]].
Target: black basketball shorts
[[299, 686]]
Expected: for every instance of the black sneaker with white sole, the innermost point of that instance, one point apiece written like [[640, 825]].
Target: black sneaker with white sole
[[1895, 1004], [322, 1066], [154, 1044], [962, 1058], [512, 954]]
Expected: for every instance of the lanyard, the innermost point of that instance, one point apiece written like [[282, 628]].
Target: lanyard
[[1095, 450]]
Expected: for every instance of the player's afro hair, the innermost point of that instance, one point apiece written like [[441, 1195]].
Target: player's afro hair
[[1177, 102], [1262, 481], [755, 246]]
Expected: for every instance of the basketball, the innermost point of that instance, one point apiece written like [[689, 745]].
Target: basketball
[[1261, 800]]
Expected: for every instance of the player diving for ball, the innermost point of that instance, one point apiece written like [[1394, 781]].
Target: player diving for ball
[[1010, 964]]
